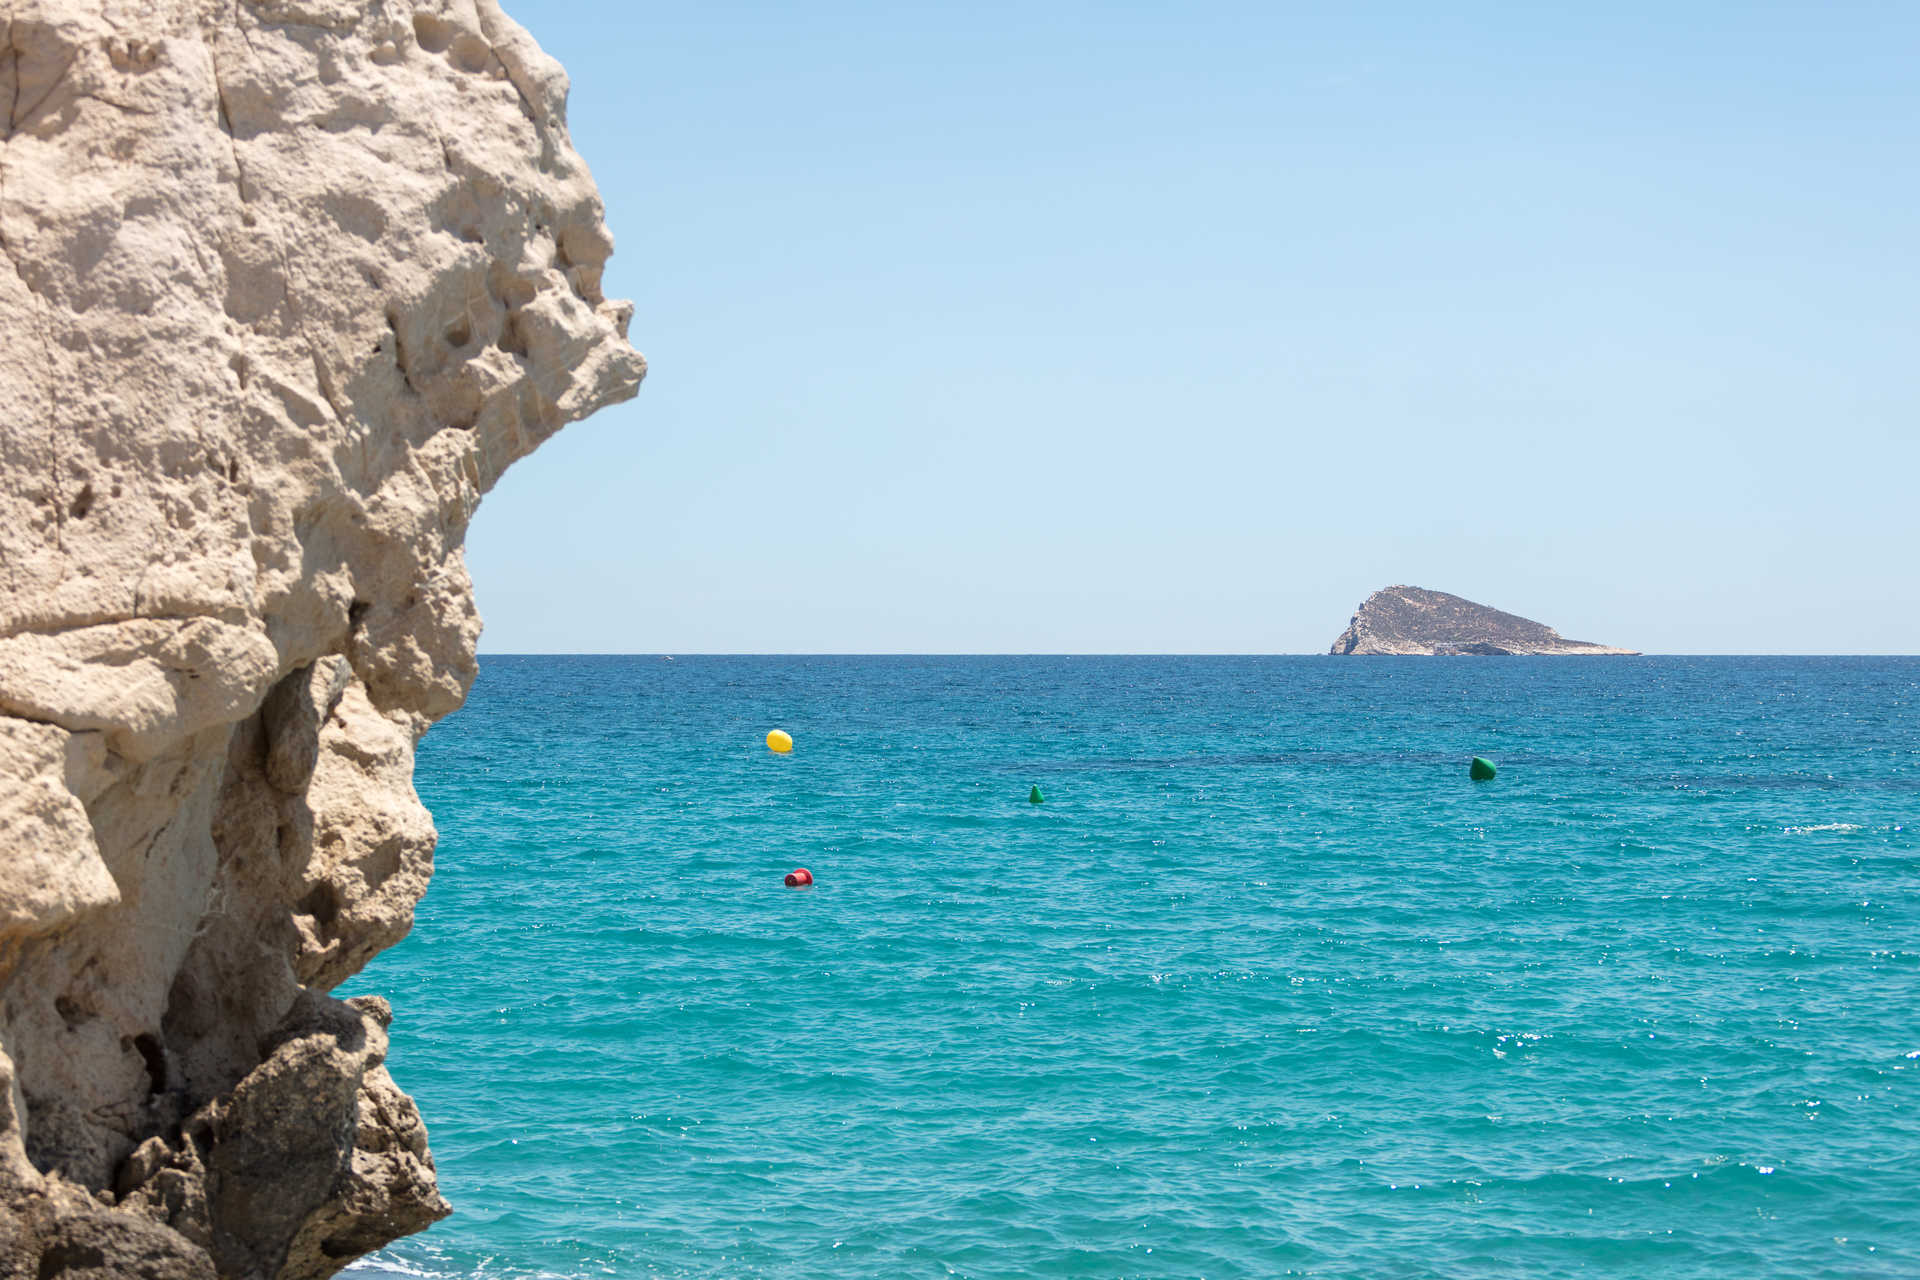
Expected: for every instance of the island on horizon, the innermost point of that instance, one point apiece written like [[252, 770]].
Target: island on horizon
[[1414, 620]]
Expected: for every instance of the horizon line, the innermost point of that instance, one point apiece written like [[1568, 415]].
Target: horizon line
[[1142, 653]]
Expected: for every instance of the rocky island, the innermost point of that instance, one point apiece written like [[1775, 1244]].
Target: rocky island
[[1413, 620], [288, 285]]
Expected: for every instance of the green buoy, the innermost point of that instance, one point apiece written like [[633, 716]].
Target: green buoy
[[1034, 797], [1481, 770]]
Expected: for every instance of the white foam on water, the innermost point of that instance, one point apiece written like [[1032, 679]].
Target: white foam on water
[[388, 1267], [375, 1267]]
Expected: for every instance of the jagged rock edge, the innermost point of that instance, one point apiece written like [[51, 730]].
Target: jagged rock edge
[[159, 1194]]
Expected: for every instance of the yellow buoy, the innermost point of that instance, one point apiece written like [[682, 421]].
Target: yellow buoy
[[780, 740]]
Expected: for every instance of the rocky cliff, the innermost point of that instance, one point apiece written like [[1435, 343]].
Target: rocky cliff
[[287, 285], [1413, 620]]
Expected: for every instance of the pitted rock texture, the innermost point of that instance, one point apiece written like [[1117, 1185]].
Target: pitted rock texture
[[1413, 620], [287, 285]]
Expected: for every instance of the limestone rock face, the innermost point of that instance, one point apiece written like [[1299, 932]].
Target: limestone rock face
[[287, 284], [1413, 620]]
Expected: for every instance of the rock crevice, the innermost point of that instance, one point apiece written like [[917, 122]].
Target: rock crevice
[[291, 283]]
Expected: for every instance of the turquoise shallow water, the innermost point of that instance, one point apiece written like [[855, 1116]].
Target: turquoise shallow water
[[1266, 987]]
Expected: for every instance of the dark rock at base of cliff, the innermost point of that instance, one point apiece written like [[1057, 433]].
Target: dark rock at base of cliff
[[58, 1232]]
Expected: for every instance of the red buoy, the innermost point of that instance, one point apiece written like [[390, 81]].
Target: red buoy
[[799, 878]]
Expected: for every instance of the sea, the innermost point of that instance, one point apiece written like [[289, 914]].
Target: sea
[[1265, 985]]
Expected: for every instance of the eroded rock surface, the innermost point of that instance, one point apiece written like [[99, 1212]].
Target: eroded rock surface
[[287, 285], [1413, 620]]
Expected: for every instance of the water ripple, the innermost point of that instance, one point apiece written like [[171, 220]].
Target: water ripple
[[1265, 987]]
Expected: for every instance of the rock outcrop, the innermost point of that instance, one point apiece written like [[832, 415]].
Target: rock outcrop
[[287, 285], [1413, 620]]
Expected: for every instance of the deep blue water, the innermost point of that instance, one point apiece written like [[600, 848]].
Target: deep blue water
[[1266, 987]]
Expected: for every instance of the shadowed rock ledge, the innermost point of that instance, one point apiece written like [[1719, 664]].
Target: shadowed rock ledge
[[287, 285], [1413, 620]]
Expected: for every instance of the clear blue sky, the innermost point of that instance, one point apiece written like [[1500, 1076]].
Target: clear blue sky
[[1181, 328]]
